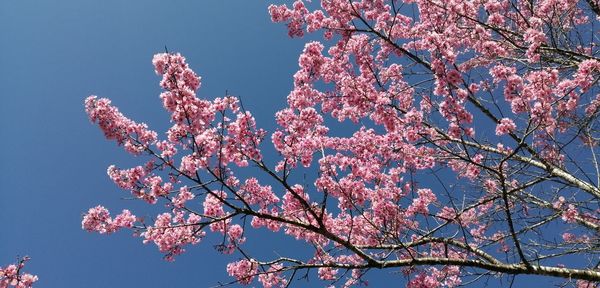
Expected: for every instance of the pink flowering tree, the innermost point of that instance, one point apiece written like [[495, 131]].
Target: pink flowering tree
[[13, 276], [472, 154]]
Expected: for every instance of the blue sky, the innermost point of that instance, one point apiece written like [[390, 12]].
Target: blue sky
[[53, 164]]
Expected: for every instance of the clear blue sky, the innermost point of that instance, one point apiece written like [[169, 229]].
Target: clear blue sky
[[53, 161]]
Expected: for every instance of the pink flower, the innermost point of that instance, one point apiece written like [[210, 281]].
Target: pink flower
[[558, 203], [235, 233], [505, 126], [421, 203], [586, 284], [135, 137], [423, 280], [125, 219], [570, 214], [171, 234], [327, 273], [182, 197], [243, 271], [568, 237], [13, 276], [586, 72], [273, 278], [453, 77], [98, 219]]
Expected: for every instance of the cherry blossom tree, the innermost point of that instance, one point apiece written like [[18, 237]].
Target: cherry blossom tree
[[471, 157], [13, 276]]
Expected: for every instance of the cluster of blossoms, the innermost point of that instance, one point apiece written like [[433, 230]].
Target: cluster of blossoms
[[422, 93], [505, 126], [243, 270], [135, 137], [98, 219], [193, 128], [435, 279], [171, 232], [13, 276]]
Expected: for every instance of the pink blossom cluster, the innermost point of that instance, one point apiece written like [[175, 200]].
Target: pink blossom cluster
[[535, 37], [194, 118], [302, 135], [586, 284], [98, 219], [505, 126], [126, 179], [142, 185], [196, 126], [273, 225], [573, 238], [327, 273], [273, 277], [254, 193], [436, 278], [421, 203], [585, 73], [171, 232], [243, 270], [182, 197], [13, 276], [156, 188], [214, 208], [294, 16], [570, 214], [243, 140], [135, 137], [467, 169]]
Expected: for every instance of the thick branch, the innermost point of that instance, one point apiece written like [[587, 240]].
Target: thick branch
[[513, 269]]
